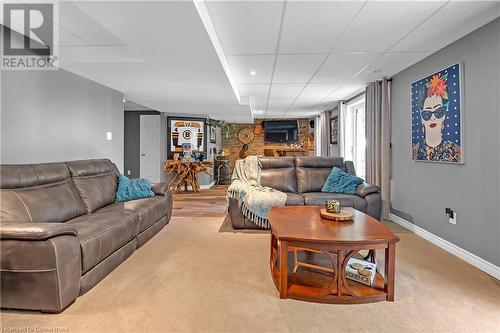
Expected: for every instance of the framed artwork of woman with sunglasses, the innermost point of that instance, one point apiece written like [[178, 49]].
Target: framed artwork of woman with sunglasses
[[436, 117]]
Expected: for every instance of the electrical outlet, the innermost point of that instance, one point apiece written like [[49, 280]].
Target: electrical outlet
[[452, 216], [129, 172]]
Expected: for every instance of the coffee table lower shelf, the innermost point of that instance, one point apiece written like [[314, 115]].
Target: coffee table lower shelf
[[316, 285], [299, 287]]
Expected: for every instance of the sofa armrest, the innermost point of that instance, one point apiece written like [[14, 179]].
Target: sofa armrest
[[159, 188], [364, 189], [35, 231], [40, 265]]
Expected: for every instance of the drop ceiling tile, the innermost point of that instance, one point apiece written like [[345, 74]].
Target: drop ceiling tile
[[256, 91], [241, 66], [345, 91], [246, 27], [318, 91], [304, 104], [315, 26], [389, 64], [296, 68], [453, 21], [279, 104], [285, 91], [380, 24], [341, 67]]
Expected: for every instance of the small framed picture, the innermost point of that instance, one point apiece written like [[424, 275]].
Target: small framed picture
[[213, 134], [334, 130]]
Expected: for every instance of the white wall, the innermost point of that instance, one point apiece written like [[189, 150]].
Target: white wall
[[50, 116]]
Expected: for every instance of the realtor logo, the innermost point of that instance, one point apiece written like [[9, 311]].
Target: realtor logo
[[29, 36]]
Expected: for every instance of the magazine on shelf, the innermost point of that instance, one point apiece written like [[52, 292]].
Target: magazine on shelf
[[361, 271]]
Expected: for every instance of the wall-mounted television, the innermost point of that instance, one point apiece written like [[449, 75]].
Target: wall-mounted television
[[281, 130]]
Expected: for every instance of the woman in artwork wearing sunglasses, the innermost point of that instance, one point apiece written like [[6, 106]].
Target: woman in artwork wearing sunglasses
[[433, 146]]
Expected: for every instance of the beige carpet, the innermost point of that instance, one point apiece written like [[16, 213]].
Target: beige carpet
[[191, 277]]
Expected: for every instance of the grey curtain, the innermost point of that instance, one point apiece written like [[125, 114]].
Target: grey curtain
[[322, 134], [378, 136]]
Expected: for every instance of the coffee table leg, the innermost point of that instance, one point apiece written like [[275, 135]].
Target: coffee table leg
[[390, 258], [283, 269]]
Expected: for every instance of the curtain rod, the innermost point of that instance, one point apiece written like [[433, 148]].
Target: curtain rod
[[354, 97]]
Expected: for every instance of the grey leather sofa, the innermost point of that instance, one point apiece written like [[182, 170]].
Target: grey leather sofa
[[61, 231], [302, 178]]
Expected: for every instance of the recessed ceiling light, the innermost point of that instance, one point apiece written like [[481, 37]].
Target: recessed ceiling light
[[124, 100], [252, 72]]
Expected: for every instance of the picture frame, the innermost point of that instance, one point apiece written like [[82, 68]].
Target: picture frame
[[186, 130], [213, 134], [334, 130], [436, 104]]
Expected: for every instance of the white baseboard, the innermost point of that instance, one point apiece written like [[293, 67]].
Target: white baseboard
[[203, 187], [465, 255]]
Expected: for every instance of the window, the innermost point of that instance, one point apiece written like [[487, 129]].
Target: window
[[354, 135]]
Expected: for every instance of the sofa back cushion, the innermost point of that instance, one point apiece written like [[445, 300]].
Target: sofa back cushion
[[312, 172], [96, 182], [38, 193], [279, 173]]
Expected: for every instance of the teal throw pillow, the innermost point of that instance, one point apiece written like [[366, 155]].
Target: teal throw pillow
[[339, 181], [131, 189]]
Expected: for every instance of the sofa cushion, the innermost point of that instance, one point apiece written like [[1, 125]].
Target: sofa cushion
[[312, 172], [131, 189], [149, 210], [38, 193], [339, 181], [284, 180], [101, 234], [96, 182], [294, 199], [346, 200], [279, 173]]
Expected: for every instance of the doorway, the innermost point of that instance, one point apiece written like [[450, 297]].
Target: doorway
[[150, 160]]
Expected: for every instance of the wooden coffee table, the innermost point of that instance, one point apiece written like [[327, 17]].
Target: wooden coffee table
[[327, 247]]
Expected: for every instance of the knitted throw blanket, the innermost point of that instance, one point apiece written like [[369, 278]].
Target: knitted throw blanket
[[254, 200]]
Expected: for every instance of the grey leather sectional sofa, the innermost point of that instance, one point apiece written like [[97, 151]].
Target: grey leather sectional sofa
[[302, 178], [61, 231]]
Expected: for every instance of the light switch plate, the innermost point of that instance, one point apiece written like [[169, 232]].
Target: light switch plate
[[454, 219], [109, 136]]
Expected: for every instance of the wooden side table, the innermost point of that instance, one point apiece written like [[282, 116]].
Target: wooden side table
[[186, 174]]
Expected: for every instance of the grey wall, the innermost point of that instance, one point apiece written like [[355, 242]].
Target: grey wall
[[49, 116], [132, 127], [421, 191]]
